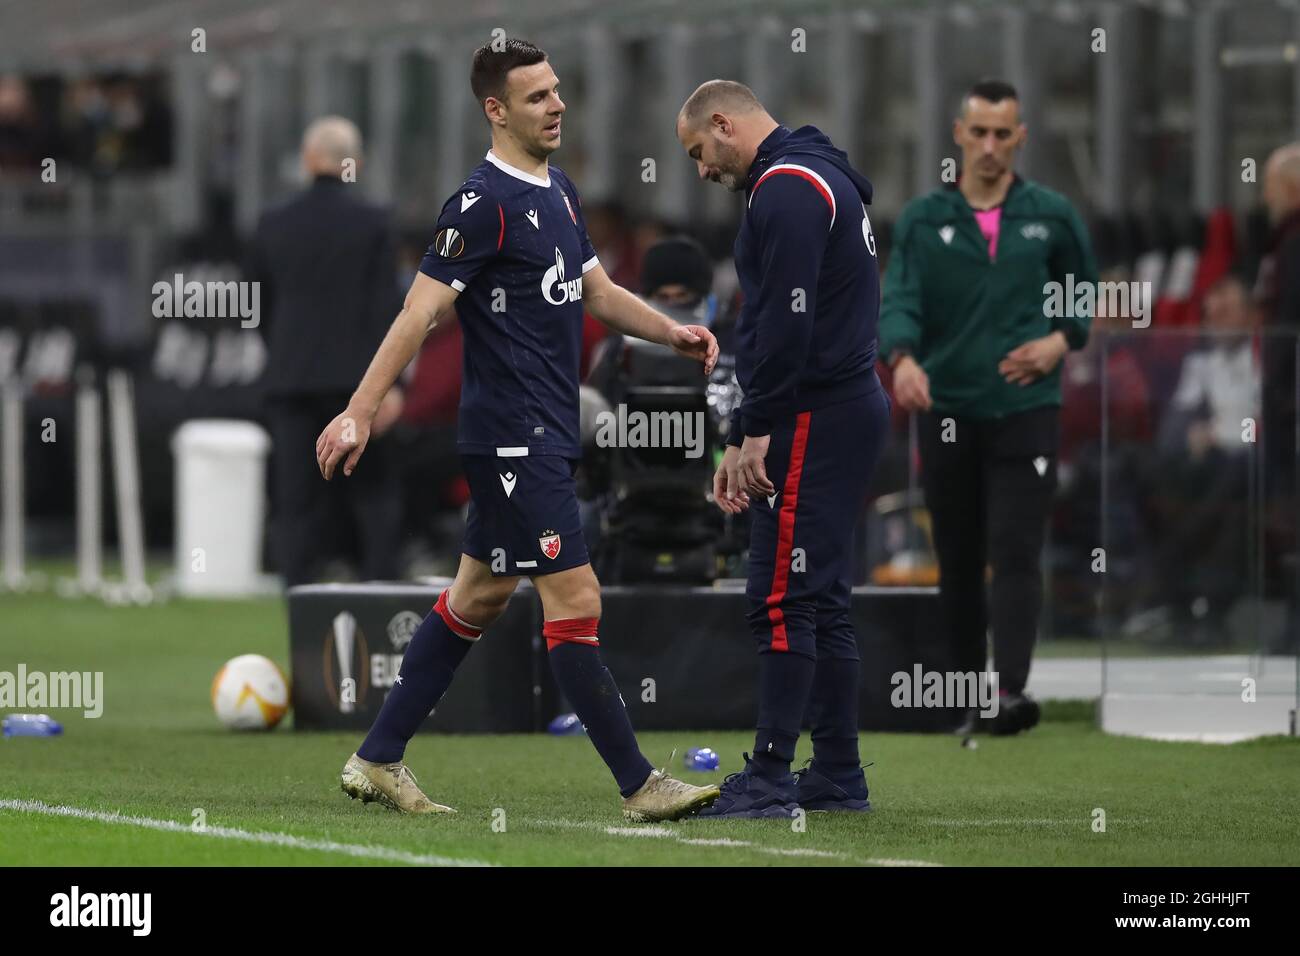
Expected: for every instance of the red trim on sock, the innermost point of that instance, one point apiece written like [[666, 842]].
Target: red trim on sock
[[785, 533], [463, 630], [576, 630]]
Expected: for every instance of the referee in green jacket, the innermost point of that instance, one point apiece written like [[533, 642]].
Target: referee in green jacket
[[975, 342]]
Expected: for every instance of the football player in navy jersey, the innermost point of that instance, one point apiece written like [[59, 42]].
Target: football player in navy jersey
[[512, 259]]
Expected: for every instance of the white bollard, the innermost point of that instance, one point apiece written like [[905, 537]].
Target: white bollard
[[220, 507], [14, 575], [90, 519], [126, 481]]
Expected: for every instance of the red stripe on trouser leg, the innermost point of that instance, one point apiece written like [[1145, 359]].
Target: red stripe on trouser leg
[[461, 628], [785, 533], [578, 630]]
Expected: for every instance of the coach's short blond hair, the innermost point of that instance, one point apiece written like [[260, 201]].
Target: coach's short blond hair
[[719, 96]]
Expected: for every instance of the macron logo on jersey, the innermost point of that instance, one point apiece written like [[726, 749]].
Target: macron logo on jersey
[[468, 199], [555, 290]]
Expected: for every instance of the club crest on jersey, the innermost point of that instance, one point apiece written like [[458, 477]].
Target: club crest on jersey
[[555, 290], [449, 243], [550, 544], [569, 206]]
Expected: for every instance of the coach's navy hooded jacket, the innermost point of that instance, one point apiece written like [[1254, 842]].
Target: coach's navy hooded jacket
[[806, 260]]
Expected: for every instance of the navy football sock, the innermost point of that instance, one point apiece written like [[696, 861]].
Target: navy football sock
[[833, 711], [784, 682], [438, 646], [590, 687]]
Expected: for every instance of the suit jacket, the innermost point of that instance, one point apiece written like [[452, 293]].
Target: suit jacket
[[326, 261]]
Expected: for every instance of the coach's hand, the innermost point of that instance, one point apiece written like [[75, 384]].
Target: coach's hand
[[343, 439], [695, 342], [751, 466], [1034, 359], [727, 493], [911, 385]]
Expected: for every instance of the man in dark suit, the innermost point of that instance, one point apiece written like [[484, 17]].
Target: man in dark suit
[[326, 262]]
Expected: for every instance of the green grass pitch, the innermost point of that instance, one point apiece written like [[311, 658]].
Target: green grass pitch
[[124, 789]]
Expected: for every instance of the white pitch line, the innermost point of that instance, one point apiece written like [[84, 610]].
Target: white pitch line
[[663, 831], [265, 837], [1015, 822], [638, 831]]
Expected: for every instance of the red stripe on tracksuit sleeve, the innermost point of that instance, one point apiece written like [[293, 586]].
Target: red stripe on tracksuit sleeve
[[501, 236], [785, 533], [802, 175]]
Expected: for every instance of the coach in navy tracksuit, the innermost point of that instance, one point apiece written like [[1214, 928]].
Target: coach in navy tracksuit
[[804, 440]]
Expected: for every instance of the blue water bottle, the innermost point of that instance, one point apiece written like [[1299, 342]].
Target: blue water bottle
[[31, 725], [703, 759]]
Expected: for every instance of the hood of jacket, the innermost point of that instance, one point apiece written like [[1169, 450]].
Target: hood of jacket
[[783, 143]]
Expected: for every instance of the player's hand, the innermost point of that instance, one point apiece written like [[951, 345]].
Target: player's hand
[[343, 439], [695, 342], [1034, 359], [727, 493], [911, 385], [751, 466]]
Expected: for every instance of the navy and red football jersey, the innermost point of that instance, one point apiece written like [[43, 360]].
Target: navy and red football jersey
[[516, 248]]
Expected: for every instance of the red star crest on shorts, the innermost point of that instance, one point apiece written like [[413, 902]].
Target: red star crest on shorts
[[550, 544]]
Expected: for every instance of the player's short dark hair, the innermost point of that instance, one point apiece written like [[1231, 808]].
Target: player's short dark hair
[[995, 91], [487, 77], [719, 95]]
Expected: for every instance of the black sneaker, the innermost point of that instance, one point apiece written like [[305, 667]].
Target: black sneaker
[[746, 794], [818, 791], [1016, 712]]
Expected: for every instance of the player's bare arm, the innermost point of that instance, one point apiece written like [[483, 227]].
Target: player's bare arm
[[427, 303], [624, 312]]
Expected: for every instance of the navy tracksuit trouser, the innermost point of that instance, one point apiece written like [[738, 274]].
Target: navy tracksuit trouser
[[801, 544]]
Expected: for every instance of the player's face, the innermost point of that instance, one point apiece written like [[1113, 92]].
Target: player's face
[[717, 157], [989, 135], [534, 108]]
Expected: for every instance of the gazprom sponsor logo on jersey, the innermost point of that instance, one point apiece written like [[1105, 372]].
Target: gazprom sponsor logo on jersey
[[555, 290], [1116, 300], [621, 428]]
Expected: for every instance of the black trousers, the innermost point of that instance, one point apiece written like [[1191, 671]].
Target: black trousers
[[989, 486], [308, 511]]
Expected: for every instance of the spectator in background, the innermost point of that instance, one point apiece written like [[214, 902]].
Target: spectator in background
[[676, 272], [611, 237], [1277, 290], [434, 484], [1219, 385], [1110, 355], [1198, 491], [327, 264], [20, 132]]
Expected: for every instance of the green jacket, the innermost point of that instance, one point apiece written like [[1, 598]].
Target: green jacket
[[959, 314]]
